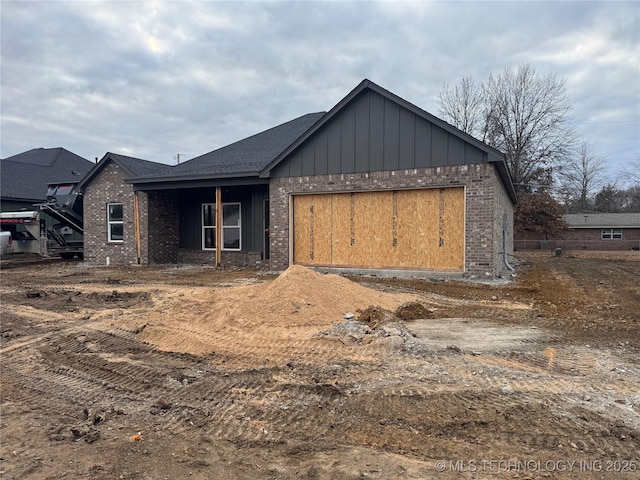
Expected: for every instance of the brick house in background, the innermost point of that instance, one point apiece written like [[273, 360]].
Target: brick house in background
[[375, 183], [592, 231], [602, 231]]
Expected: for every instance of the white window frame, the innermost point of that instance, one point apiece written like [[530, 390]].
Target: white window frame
[[110, 223], [611, 234], [224, 227]]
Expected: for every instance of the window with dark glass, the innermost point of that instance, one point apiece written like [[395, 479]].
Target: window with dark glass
[[208, 226], [231, 226], [115, 224]]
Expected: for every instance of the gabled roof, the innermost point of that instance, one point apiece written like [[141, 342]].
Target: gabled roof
[[603, 220], [245, 157], [258, 154], [24, 177], [132, 166], [493, 155]]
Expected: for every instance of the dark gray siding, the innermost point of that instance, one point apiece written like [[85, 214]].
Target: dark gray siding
[[373, 133], [376, 134], [321, 167], [348, 139], [407, 143], [333, 149], [251, 200]]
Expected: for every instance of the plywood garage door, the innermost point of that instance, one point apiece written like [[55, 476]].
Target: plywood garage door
[[392, 229]]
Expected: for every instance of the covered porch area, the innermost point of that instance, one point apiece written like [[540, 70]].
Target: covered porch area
[[221, 223]]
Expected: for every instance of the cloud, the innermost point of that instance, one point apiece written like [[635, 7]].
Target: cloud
[[152, 79]]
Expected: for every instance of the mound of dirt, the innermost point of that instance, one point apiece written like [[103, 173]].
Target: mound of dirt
[[375, 315], [413, 311], [302, 297], [266, 322]]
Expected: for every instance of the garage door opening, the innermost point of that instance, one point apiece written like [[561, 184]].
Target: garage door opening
[[411, 229]]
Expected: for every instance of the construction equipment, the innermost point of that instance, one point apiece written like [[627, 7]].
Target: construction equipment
[[30, 233], [64, 204]]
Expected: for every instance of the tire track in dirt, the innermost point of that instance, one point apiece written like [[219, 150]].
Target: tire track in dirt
[[241, 349], [74, 362]]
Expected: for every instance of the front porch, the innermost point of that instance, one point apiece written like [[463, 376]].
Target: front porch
[[221, 225]]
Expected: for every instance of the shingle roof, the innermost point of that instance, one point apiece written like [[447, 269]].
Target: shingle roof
[[603, 220], [137, 167], [25, 176], [133, 167], [244, 157]]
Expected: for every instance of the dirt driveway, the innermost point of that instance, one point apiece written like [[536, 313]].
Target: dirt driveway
[[189, 372]]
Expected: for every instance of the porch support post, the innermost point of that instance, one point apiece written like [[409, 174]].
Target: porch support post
[[218, 226], [136, 224]]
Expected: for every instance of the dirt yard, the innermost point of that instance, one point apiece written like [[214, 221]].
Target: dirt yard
[[195, 373]]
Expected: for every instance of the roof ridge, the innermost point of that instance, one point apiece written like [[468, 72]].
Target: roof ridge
[[129, 157], [57, 155]]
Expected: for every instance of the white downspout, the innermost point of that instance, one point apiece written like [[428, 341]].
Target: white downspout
[[505, 231]]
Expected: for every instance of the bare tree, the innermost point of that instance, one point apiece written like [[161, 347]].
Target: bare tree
[[520, 113], [580, 177], [631, 172], [464, 106]]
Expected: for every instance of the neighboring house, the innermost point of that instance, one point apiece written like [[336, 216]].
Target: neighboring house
[[602, 231], [593, 231], [375, 183], [24, 177]]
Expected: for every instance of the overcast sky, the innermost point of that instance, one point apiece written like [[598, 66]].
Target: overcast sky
[[153, 79]]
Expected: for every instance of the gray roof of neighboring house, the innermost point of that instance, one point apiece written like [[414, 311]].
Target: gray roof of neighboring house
[[603, 220], [25, 176], [245, 157], [133, 167]]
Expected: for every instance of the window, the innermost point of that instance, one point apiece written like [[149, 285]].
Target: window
[[231, 229], [208, 226], [115, 232], [611, 234]]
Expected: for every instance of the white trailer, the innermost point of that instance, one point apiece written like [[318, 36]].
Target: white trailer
[[28, 231]]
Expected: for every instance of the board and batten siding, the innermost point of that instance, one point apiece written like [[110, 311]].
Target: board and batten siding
[[373, 133]]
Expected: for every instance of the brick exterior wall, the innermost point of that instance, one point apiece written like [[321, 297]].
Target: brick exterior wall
[[159, 232], [162, 222], [485, 201], [502, 205], [108, 187], [159, 226], [229, 258]]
